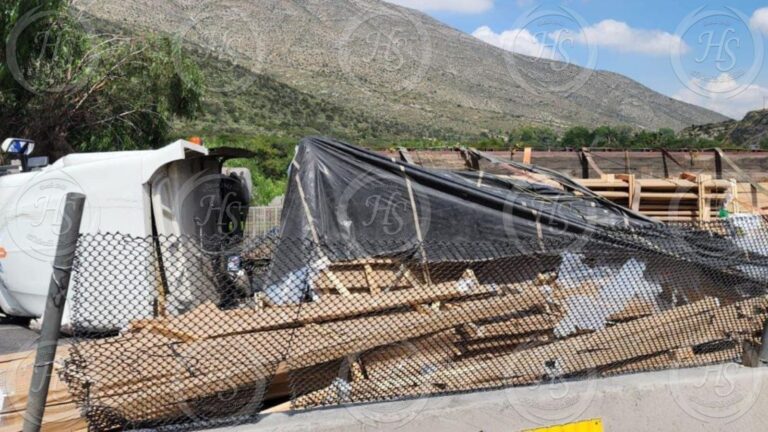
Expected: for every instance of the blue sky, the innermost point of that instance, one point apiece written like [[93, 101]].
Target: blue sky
[[710, 53]]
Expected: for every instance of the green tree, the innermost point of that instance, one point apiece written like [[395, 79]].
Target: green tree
[[764, 144], [577, 137], [605, 136], [73, 91], [667, 138], [534, 136]]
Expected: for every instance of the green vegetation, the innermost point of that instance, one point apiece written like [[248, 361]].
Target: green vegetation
[[269, 167], [73, 91], [621, 137]]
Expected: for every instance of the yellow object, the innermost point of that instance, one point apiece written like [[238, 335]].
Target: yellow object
[[595, 425]]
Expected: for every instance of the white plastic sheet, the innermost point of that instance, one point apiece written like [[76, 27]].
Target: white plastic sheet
[[616, 290]]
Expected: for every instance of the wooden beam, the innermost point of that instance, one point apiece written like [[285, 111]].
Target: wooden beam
[[405, 155], [591, 162], [527, 156], [208, 321]]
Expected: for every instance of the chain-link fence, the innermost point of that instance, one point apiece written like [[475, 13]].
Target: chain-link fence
[[190, 332], [261, 220]]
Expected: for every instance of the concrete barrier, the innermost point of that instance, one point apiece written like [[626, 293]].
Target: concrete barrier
[[715, 398]]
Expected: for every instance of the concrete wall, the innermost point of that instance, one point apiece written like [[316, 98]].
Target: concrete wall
[[717, 398]]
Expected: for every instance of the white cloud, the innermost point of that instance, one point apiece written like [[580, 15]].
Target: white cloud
[[462, 6], [725, 95], [621, 37], [759, 20], [609, 33], [516, 40]]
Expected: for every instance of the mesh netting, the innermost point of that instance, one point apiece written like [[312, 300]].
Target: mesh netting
[[179, 331]]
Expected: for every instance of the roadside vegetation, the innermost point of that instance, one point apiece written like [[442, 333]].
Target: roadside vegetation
[[71, 90]]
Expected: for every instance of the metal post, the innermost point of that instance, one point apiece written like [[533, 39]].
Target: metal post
[[627, 167], [54, 309], [584, 165], [764, 345], [718, 164]]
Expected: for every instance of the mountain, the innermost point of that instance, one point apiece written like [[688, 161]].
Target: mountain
[[750, 132], [394, 63]]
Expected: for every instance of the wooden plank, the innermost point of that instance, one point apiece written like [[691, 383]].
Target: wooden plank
[[15, 377], [151, 347], [678, 327], [510, 327], [587, 155], [613, 194], [336, 282], [635, 190], [320, 344], [689, 176], [670, 184], [685, 326], [669, 196], [603, 183], [207, 321], [405, 156], [412, 357], [373, 283], [58, 418], [528, 156], [500, 344]]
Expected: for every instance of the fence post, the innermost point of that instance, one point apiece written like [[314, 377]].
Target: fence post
[[764, 345], [54, 309]]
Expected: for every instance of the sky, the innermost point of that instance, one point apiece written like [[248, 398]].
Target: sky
[[709, 53]]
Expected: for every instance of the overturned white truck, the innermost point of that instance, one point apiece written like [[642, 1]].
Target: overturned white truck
[[178, 190]]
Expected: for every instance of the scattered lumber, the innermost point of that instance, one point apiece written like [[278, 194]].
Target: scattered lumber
[[61, 414], [406, 337]]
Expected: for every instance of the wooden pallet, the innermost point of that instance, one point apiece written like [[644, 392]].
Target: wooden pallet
[[689, 198]]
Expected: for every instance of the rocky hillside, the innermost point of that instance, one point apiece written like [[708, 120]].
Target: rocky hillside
[[751, 132], [398, 64]]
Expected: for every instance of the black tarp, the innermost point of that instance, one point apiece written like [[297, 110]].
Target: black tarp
[[345, 203], [350, 195]]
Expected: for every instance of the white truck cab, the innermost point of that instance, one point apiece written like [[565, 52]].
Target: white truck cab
[[166, 191]]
